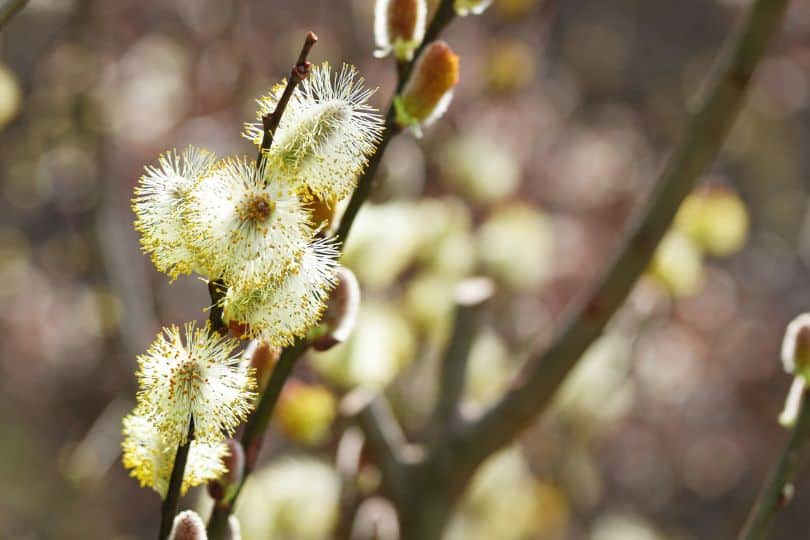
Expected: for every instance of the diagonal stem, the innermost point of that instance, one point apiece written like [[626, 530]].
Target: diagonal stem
[[9, 8], [470, 297], [775, 494], [298, 73]]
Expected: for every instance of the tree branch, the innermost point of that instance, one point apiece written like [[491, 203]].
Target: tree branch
[[445, 13], [298, 73], [385, 441], [470, 296], [169, 507], [707, 127], [9, 8]]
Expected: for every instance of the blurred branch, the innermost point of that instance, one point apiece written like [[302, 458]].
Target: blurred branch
[[385, 441], [9, 8], [776, 493], [708, 124], [470, 297]]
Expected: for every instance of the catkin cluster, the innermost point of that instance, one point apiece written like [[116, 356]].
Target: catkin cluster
[[252, 226]]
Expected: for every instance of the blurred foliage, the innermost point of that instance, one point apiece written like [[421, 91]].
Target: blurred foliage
[[564, 112]]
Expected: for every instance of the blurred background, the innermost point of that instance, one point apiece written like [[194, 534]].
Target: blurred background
[[564, 114]]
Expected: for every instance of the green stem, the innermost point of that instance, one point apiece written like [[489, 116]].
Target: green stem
[[774, 494]]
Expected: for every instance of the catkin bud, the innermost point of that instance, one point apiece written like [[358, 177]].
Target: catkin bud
[[428, 92], [341, 311], [234, 528], [796, 347], [399, 26], [263, 358], [188, 526], [471, 7], [224, 487]]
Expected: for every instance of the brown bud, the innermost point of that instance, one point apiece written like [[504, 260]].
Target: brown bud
[[399, 25], [341, 311], [321, 211], [427, 94], [188, 526], [263, 359], [225, 486], [796, 346]]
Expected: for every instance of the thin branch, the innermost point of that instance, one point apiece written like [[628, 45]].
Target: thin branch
[[8, 9], [707, 127], [169, 507], [470, 297], [216, 290], [254, 432], [445, 13], [258, 421], [776, 493], [384, 439], [298, 73]]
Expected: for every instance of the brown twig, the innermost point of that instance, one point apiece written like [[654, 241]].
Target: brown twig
[[445, 13], [470, 296], [169, 507], [271, 120]]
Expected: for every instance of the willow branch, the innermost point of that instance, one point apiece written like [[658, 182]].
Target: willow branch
[[470, 297], [169, 507], [708, 124], [298, 73], [9, 8], [385, 441], [445, 13], [775, 493]]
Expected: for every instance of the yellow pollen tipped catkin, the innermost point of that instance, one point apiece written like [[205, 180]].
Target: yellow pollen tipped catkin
[[435, 75]]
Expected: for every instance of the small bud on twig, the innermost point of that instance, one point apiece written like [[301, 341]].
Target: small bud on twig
[[224, 487], [796, 346], [188, 526], [399, 26], [429, 91], [341, 312]]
